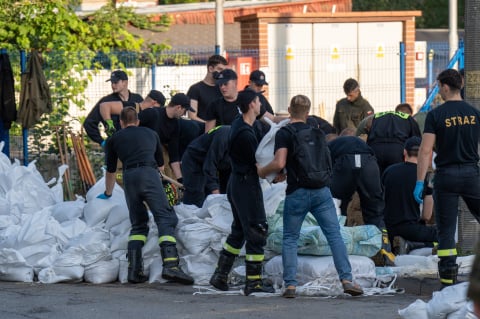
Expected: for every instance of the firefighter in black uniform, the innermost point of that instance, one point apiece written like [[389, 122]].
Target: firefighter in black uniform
[[355, 168], [165, 121], [119, 80], [388, 134], [453, 128], [246, 198], [140, 151], [206, 166]]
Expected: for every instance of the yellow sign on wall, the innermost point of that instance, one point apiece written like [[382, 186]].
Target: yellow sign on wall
[[288, 52], [380, 50], [334, 52]]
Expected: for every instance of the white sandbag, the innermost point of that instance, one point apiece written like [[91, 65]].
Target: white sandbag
[[322, 270], [8, 236], [91, 237], [156, 268], [7, 220], [4, 204], [447, 301], [187, 211], [119, 254], [57, 189], [97, 210], [56, 274], [13, 267], [265, 149], [73, 228], [273, 196], [99, 188], [102, 272], [220, 214], [196, 236], [465, 312], [5, 163], [122, 228], [119, 242], [200, 267], [65, 211], [40, 255], [94, 253], [416, 310], [33, 228], [117, 214]]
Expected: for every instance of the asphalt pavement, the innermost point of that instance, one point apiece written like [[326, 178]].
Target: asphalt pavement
[[142, 301]]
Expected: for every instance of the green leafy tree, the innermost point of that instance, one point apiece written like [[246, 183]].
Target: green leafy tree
[[434, 12], [68, 44]]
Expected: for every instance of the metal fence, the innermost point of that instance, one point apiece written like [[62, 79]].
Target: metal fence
[[313, 74]]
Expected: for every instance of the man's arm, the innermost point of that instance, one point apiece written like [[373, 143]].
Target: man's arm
[[193, 115], [276, 165], [109, 183], [425, 155], [209, 125], [91, 125], [427, 208], [109, 108]]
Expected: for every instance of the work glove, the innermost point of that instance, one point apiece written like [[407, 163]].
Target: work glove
[[110, 129], [418, 191], [103, 144], [104, 196]]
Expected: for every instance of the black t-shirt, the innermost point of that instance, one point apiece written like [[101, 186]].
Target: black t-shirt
[[265, 104], [243, 144], [222, 111], [456, 125], [133, 145], [392, 127], [167, 129], [94, 117], [348, 145], [204, 94], [400, 206], [284, 139]]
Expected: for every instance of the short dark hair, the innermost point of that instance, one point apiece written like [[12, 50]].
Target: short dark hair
[[405, 108], [413, 152], [350, 85], [128, 115], [452, 78], [216, 59]]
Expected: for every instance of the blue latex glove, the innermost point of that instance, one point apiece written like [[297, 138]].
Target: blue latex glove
[[417, 193], [104, 196], [103, 144]]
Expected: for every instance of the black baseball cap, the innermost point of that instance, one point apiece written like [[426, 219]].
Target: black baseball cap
[[246, 96], [182, 100], [157, 96], [258, 77], [225, 76], [413, 143], [117, 76]]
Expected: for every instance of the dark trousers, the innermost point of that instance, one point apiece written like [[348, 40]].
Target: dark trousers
[[143, 184], [414, 232], [246, 198], [348, 178], [449, 184], [194, 181], [387, 154]]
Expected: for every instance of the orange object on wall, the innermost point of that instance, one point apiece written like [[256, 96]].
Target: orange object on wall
[[243, 66]]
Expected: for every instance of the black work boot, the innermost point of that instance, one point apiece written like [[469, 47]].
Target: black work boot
[[135, 266], [171, 270], [254, 279], [448, 275], [219, 278]]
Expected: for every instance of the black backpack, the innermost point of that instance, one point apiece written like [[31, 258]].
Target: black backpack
[[313, 164]]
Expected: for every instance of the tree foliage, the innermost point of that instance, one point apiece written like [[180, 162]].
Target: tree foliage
[[69, 43], [434, 12]]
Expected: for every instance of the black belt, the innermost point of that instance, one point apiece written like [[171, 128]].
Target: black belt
[[137, 165]]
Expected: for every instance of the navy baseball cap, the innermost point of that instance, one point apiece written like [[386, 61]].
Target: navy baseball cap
[[117, 76], [258, 77], [413, 143], [182, 100], [225, 76], [157, 96]]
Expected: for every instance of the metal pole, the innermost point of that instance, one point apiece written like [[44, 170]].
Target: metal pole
[[154, 76], [5, 133], [219, 46], [452, 27], [431, 54], [403, 91], [23, 68]]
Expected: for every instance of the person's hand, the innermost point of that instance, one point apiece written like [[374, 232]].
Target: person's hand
[[418, 191], [110, 129], [103, 144], [260, 171], [104, 195], [280, 177]]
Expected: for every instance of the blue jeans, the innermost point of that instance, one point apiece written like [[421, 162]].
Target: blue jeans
[[319, 202]]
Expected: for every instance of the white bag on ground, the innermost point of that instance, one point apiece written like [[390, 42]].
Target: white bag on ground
[[102, 272], [13, 267], [65, 211], [416, 310], [448, 300]]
